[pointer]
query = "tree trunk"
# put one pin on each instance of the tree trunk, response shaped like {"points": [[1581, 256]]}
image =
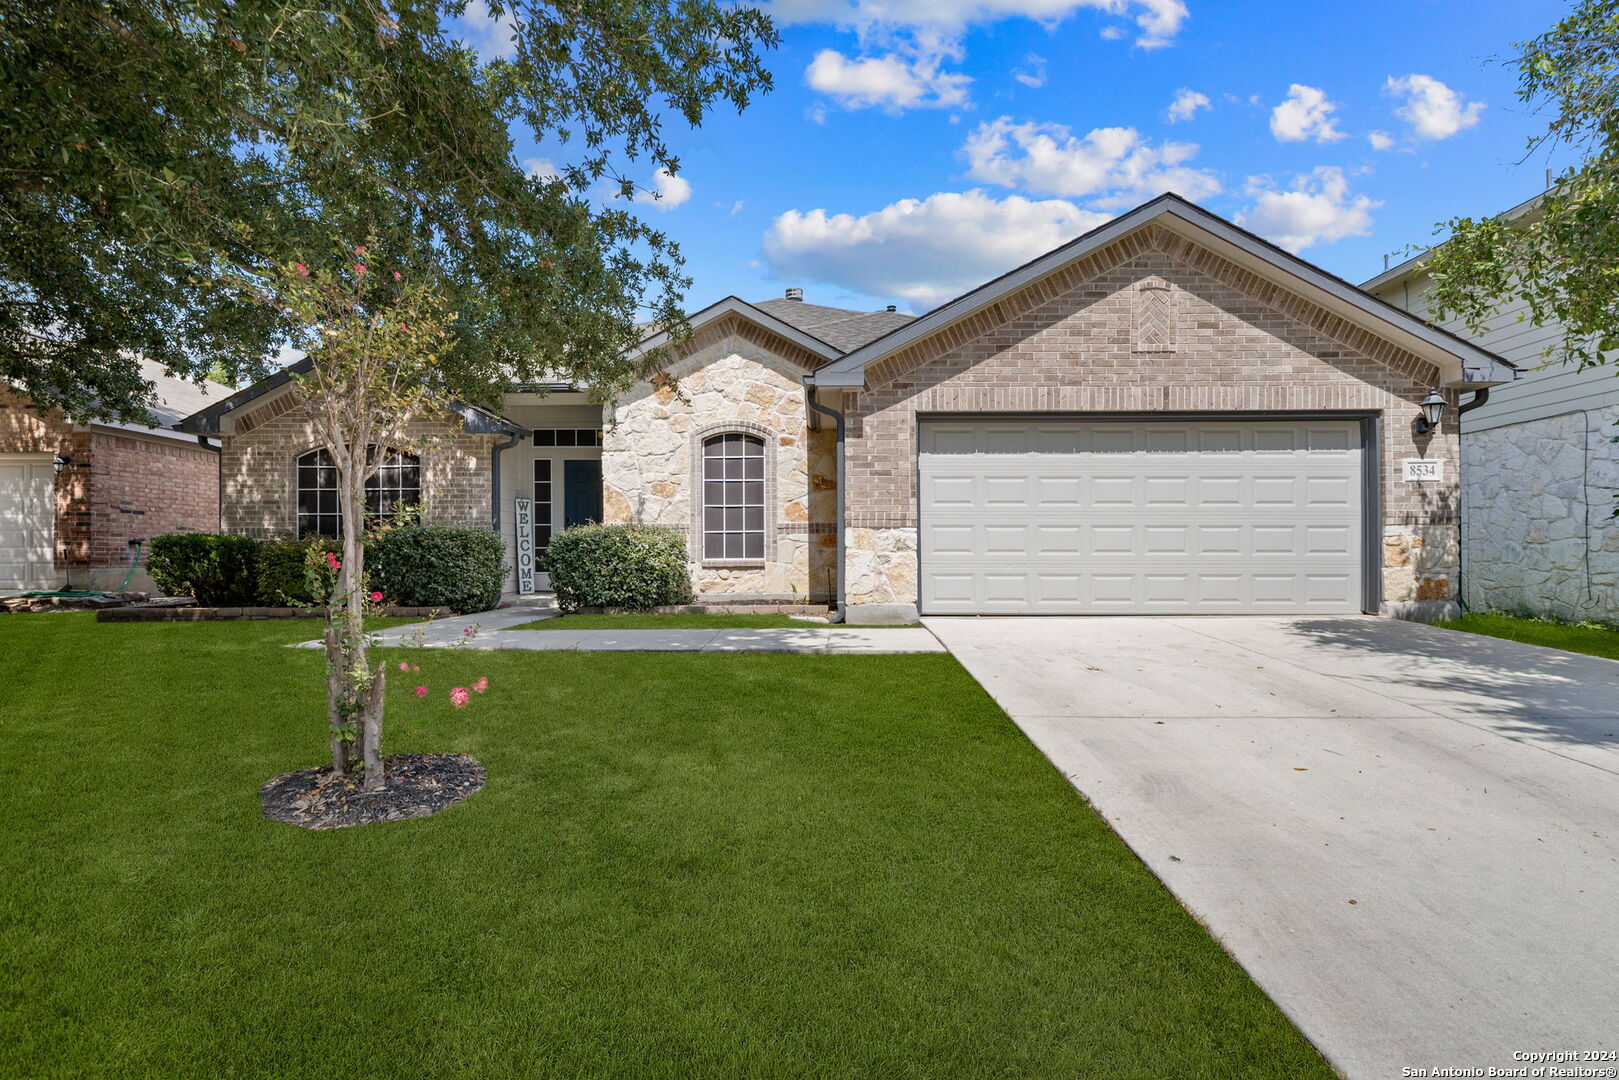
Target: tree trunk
{"points": [[342, 749], [371, 733]]}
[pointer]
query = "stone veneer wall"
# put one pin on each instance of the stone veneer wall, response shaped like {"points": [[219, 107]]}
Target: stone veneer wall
{"points": [[1072, 342], [1533, 489], [734, 376], [260, 469]]}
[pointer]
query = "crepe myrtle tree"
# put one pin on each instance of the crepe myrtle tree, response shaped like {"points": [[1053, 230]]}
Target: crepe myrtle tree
{"points": [[377, 343], [149, 146]]}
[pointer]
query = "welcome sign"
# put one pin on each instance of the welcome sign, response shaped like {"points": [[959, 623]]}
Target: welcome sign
{"points": [[524, 522]]}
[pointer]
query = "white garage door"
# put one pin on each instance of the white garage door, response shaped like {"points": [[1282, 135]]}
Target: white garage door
{"points": [[27, 515], [1093, 517]]}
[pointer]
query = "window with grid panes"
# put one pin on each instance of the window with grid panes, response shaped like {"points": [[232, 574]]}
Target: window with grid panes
{"points": [[734, 498], [397, 484], [542, 505]]}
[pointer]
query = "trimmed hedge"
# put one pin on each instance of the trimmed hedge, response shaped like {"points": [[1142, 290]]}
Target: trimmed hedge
{"points": [[442, 566], [618, 566], [220, 571], [283, 576]]}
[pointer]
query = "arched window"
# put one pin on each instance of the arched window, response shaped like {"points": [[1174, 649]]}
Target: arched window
{"points": [[734, 497], [397, 484]]}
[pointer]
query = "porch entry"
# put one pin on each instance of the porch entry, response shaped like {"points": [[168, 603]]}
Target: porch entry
{"points": [[581, 492]]}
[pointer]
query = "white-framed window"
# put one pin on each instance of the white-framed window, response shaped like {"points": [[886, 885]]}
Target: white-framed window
{"points": [[543, 501], [733, 498], [397, 484]]}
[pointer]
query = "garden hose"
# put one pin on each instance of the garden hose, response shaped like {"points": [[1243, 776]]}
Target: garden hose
{"points": [[134, 564]]}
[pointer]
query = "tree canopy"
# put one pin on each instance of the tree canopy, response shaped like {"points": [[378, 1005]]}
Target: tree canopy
{"points": [[152, 152], [1561, 256]]}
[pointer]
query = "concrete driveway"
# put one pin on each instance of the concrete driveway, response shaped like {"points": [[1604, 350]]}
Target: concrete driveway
{"points": [[1408, 836]]}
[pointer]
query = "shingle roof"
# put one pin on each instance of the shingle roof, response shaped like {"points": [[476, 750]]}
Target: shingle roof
{"points": [[839, 327]]}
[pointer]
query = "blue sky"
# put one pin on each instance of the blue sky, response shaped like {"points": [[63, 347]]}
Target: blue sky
{"points": [[913, 148]]}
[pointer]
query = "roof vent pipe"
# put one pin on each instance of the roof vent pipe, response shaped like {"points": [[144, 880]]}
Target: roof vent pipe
{"points": [[893, 307], [796, 294]]}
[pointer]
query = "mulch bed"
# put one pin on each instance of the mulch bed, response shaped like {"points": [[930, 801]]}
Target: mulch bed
{"points": [[418, 785]]}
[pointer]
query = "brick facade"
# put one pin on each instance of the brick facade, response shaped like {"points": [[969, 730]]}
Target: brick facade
{"points": [[260, 470], [1216, 338], [118, 486]]}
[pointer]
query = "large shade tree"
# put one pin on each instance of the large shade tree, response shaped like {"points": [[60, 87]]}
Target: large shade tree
{"points": [[148, 147], [1559, 257], [185, 179]]}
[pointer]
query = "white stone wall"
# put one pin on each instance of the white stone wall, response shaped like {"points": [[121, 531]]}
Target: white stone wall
{"points": [[881, 566], [650, 450], [1528, 489]]}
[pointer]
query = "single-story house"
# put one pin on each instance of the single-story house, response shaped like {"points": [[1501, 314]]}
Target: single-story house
{"points": [[1165, 415], [1540, 469], [76, 497]]}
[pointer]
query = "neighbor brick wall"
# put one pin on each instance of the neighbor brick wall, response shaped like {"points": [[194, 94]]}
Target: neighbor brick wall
{"points": [[1070, 343], [146, 487], [115, 487], [260, 470]]}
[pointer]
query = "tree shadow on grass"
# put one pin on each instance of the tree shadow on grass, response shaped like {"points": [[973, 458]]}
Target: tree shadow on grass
{"points": [[1519, 690]]}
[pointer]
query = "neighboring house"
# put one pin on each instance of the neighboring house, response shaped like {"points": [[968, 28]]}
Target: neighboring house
{"points": [[1540, 468], [74, 496], [1165, 415]]}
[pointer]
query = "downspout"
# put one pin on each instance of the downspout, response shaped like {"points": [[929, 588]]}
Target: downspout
{"points": [[219, 478], [1479, 397], [837, 418], [494, 478]]}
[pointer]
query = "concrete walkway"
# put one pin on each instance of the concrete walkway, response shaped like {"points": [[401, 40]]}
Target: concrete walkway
{"points": [[1409, 836], [493, 630]]}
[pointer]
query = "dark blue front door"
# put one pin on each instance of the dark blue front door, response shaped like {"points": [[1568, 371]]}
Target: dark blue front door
{"points": [[581, 492]]}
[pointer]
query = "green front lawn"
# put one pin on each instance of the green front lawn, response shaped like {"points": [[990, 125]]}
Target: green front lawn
{"points": [[683, 866], [1593, 639]]}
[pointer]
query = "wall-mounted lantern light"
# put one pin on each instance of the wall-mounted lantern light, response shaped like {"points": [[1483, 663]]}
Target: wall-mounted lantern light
{"points": [[1433, 411], [59, 462]]}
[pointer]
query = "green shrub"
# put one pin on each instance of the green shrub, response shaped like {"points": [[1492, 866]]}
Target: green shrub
{"points": [[282, 574], [618, 566], [462, 569], [218, 571]]}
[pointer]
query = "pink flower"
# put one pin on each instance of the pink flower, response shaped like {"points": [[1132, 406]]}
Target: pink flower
{"points": [[333, 561], [359, 268], [359, 249], [403, 666], [421, 691], [376, 598], [413, 667], [303, 271], [398, 276], [481, 685], [459, 697], [467, 631]]}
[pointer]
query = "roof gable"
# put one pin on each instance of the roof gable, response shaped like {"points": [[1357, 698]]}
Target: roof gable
{"points": [[1460, 362]]}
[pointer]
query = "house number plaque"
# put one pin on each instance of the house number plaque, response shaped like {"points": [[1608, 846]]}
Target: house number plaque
{"points": [[1419, 469]]}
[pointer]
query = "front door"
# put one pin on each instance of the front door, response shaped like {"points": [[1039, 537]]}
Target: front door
{"points": [[581, 492]]}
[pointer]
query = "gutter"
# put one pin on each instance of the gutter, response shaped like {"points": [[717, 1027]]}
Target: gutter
{"points": [[837, 418]]}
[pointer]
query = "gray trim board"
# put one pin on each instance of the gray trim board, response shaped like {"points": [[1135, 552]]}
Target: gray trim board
{"points": [[733, 305], [1441, 344]]}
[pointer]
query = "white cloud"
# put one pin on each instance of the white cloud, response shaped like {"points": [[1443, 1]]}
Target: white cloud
{"points": [[1185, 105], [1033, 71], [1306, 114], [890, 81], [922, 250], [538, 168], [1116, 165], [905, 44], [489, 37], [1318, 208], [1433, 110], [1380, 140], [668, 191]]}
